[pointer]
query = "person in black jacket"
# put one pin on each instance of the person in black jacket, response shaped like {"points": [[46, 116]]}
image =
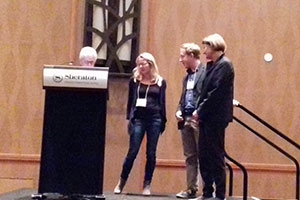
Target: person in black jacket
{"points": [[191, 90], [146, 113], [214, 112]]}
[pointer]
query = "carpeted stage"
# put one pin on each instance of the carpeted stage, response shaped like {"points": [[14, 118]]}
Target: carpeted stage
{"points": [[25, 194]]}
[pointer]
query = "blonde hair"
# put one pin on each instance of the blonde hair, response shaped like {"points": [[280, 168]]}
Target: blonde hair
{"points": [[191, 48], [216, 42], [149, 58]]}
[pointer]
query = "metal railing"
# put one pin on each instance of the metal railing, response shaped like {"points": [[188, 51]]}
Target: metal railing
{"points": [[283, 136], [245, 178]]}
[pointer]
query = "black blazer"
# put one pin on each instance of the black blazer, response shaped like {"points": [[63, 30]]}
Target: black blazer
{"points": [[200, 74], [215, 104]]}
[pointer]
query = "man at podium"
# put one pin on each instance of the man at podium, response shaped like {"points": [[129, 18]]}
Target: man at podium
{"points": [[73, 142], [87, 56]]}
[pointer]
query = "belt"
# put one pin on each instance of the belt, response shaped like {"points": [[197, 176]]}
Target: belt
{"points": [[188, 112]]}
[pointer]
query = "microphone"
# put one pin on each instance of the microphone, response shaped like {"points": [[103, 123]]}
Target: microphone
{"points": [[68, 63]]}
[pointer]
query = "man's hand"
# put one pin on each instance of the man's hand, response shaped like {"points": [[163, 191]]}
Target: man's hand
{"points": [[178, 116], [195, 116]]}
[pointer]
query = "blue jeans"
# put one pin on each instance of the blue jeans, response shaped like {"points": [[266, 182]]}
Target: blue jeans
{"points": [[137, 130]]}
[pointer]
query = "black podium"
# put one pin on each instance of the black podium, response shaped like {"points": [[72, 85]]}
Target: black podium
{"points": [[73, 145]]}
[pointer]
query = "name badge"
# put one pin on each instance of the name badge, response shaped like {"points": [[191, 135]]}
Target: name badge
{"points": [[141, 102], [190, 85]]}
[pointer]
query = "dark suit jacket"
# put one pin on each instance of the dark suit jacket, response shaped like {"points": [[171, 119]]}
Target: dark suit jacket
{"points": [[200, 74], [215, 103]]}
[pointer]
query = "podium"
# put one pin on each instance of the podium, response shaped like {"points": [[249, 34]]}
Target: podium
{"points": [[73, 144]]}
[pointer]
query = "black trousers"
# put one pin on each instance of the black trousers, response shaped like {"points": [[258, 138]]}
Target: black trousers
{"points": [[211, 159]]}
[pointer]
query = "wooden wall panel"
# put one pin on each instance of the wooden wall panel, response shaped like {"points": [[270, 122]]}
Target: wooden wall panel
{"points": [[32, 33], [251, 29], [18, 171]]}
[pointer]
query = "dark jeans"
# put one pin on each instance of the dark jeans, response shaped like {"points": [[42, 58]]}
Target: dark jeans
{"points": [[137, 129], [211, 159]]}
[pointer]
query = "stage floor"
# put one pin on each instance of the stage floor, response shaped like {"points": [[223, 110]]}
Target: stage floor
{"points": [[25, 194]]}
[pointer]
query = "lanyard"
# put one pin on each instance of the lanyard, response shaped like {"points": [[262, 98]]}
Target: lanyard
{"points": [[138, 91]]}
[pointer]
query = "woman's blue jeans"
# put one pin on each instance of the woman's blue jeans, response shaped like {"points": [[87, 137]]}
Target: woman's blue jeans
{"points": [[137, 129]]}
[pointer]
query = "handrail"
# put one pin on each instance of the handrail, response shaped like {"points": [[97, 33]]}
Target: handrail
{"points": [[277, 148], [230, 192], [245, 181], [237, 104]]}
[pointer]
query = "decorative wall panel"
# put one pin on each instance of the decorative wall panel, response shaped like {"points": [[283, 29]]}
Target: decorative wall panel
{"points": [[112, 28]]}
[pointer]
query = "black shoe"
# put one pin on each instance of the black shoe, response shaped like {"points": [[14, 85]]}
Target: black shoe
{"points": [[187, 194]]}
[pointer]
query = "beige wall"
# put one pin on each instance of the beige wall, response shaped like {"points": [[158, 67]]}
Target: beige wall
{"points": [[33, 33]]}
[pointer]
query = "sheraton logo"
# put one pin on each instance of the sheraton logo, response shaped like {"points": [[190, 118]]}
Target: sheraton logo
{"points": [[75, 77], [80, 78], [59, 78]]}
